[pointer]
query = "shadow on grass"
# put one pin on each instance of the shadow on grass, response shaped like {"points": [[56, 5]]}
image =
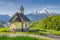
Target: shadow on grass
{"points": [[33, 30], [37, 31]]}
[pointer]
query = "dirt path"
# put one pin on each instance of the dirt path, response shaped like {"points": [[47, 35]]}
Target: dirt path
{"points": [[32, 35], [52, 36]]}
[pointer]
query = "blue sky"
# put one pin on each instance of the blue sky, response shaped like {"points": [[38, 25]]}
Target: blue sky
{"points": [[12, 6]]}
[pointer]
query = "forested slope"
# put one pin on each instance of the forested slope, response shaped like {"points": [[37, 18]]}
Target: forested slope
{"points": [[52, 23]]}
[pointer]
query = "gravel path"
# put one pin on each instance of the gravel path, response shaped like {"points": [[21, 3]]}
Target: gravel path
{"points": [[32, 35]]}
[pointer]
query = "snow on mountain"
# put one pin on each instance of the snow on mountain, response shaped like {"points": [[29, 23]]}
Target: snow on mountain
{"points": [[36, 16], [45, 10]]}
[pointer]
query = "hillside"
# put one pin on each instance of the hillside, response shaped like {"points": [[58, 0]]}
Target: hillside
{"points": [[4, 18], [51, 23], [39, 15]]}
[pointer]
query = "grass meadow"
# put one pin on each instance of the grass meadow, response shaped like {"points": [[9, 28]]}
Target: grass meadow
{"points": [[20, 38]]}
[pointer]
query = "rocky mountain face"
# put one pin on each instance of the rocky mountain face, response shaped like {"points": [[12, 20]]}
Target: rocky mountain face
{"points": [[36, 16]]}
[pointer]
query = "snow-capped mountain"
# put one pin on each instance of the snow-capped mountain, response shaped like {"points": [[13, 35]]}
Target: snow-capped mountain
{"points": [[36, 16], [45, 10]]}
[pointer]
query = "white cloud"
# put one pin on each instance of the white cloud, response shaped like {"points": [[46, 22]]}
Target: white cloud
{"points": [[50, 6], [11, 7], [53, 8], [8, 7]]}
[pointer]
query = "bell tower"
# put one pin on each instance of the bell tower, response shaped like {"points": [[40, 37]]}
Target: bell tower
{"points": [[22, 10]]}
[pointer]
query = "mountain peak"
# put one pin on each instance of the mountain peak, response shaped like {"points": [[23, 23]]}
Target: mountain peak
{"points": [[45, 10]]}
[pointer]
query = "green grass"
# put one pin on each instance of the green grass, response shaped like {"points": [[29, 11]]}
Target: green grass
{"points": [[32, 31], [20, 38], [4, 29], [53, 32], [43, 32]]}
